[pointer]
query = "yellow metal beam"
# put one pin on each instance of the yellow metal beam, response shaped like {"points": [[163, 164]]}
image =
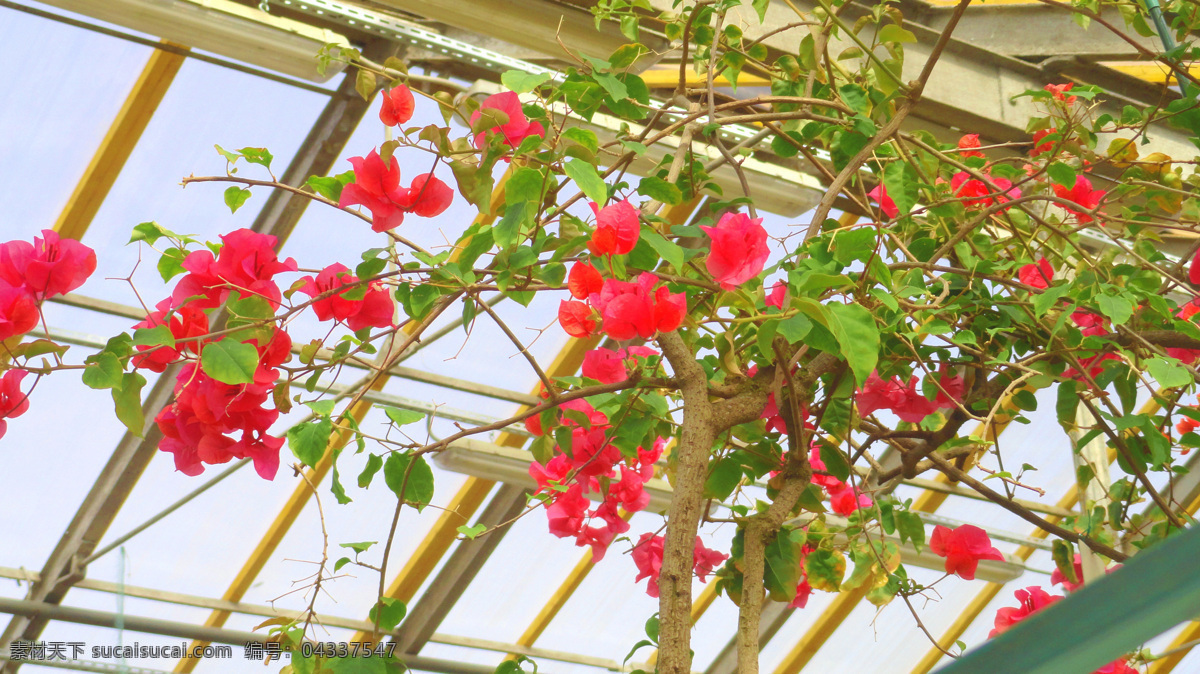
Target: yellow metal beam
{"points": [[118, 143], [668, 78]]}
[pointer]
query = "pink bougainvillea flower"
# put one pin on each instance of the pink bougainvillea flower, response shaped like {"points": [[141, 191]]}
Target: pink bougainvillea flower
{"points": [[647, 556], [1186, 425], [49, 267], [374, 310], [374, 184], [1118, 666], [963, 547], [967, 146], [584, 280], [13, 401], [803, 592], [1029, 600], [880, 195], [777, 295], [186, 323], [607, 366], [576, 319], [18, 311], [705, 560], [1194, 270], [604, 365], [1041, 146], [1059, 92], [902, 399], [1037, 275], [976, 194], [739, 249], [247, 263], [1057, 577], [398, 105], [516, 129], [1081, 194], [848, 499], [617, 229], [1089, 323], [427, 196], [638, 309], [567, 513]]}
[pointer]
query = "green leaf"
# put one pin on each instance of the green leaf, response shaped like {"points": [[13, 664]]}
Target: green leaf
{"points": [[668, 250], [1064, 559], [723, 477], [853, 244], [229, 362], [660, 190], [170, 264], [900, 181], [587, 179], [523, 82], [835, 461], [389, 611], [374, 463], [471, 532], [236, 196], [781, 573], [825, 569], [760, 7], [858, 337], [104, 371], [149, 232], [330, 188], [894, 33], [364, 84], [308, 441], [1048, 298], [157, 336], [358, 548], [1169, 374], [1061, 174], [257, 155], [128, 401], [795, 328], [583, 138], [419, 487], [1067, 403], [526, 184], [1116, 308], [856, 98], [402, 417], [506, 231], [910, 527]]}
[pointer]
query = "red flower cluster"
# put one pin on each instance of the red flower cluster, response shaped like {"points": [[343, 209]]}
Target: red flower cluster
{"points": [[247, 263], [777, 295], [591, 468], [1081, 194], [976, 193], [1029, 600], [739, 249], [880, 195], [13, 402], [904, 400], [30, 273], [398, 106], [1037, 275], [374, 310], [1059, 92], [197, 425], [843, 498], [648, 555], [626, 310], [377, 186], [516, 129], [617, 229], [963, 547], [608, 367], [1042, 146], [186, 323], [967, 145]]}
